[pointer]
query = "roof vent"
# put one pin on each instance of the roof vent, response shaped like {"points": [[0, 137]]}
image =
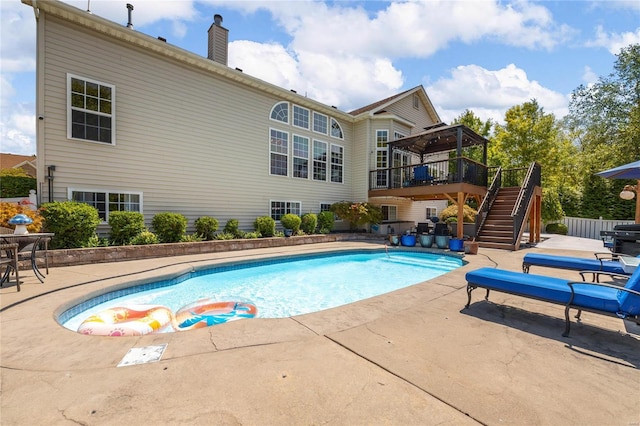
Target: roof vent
{"points": [[130, 9], [162, 39]]}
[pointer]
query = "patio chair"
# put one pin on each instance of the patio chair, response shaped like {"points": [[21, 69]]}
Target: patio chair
{"points": [[9, 257], [601, 298], [607, 262], [421, 174]]}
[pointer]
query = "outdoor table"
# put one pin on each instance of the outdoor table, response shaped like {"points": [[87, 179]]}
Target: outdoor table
{"points": [[34, 240]]}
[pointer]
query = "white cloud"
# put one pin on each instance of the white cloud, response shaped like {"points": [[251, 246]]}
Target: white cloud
{"points": [[489, 94], [17, 37], [589, 77], [144, 12], [613, 42]]}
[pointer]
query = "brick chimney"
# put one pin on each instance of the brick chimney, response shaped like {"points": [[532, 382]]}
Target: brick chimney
{"points": [[218, 41]]}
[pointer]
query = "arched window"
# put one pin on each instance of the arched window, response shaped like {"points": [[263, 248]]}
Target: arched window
{"points": [[280, 112], [336, 130]]}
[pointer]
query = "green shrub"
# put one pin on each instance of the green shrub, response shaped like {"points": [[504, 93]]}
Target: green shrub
{"points": [[291, 221], [469, 214], [16, 183], [191, 238], [125, 226], [265, 225], [326, 220], [206, 226], [224, 236], [143, 238], [309, 222], [232, 227], [169, 227], [557, 228], [251, 235], [73, 223]]}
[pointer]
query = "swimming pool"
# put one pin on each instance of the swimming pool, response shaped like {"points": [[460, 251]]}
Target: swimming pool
{"points": [[280, 287]]}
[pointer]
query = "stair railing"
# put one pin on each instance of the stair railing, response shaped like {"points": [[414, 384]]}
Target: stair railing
{"points": [[532, 179], [492, 193]]}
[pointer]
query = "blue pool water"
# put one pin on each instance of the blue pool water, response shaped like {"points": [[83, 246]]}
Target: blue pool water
{"points": [[282, 288]]}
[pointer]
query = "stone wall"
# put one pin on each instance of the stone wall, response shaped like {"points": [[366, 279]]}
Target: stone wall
{"points": [[83, 256]]}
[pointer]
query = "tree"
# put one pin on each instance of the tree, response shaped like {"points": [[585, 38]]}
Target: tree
{"points": [[482, 128], [604, 121], [357, 213]]}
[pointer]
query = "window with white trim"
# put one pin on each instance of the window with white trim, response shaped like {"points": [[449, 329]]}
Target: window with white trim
{"points": [[336, 130], [91, 110], [279, 152], [431, 212], [382, 157], [389, 212], [319, 160], [325, 207], [105, 201], [300, 157], [416, 101], [320, 123], [280, 112], [280, 208], [300, 117], [337, 159]]}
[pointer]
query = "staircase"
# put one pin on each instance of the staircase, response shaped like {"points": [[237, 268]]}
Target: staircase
{"points": [[497, 231]]}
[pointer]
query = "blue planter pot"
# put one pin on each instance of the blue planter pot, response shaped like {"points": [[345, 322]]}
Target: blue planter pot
{"points": [[426, 240], [456, 244], [442, 241], [408, 240]]}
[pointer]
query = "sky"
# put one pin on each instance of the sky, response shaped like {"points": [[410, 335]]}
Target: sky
{"points": [[483, 55]]}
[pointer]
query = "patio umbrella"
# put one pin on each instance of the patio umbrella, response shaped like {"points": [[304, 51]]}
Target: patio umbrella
{"points": [[626, 171]]}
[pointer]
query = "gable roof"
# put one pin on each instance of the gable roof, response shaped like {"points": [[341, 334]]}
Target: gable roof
{"points": [[9, 161], [379, 106]]}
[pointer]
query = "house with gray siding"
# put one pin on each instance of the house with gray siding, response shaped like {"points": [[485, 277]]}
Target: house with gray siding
{"points": [[127, 121]]}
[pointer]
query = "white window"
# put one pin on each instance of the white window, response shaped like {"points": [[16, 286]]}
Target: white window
{"points": [[91, 110], [325, 207], [336, 130], [337, 160], [431, 212], [108, 201], [280, 112], [280, 208], [382, 157], [320, 123], [300, 157], [279, 150], [300, 117], [416, 101], [389, 212], [319, 160], [397, 135]]}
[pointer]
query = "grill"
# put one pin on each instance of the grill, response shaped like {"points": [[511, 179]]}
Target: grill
{"points": [[626, 239]]}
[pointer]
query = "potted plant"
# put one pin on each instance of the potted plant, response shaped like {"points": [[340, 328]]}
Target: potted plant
{"points": [[291, 223]]}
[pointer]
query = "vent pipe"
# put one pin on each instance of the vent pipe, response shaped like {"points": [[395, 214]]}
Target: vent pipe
{"points": [[130, 9]]}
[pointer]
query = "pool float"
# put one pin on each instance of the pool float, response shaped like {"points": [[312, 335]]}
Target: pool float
{"points": [[206, 312], [128, 321]]}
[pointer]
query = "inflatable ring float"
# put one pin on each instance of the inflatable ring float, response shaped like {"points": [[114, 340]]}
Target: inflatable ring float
{"points": [[206, 312], [130, 321]]}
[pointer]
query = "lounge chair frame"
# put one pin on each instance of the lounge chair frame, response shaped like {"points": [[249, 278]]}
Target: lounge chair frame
{"points": [[569, 305]]}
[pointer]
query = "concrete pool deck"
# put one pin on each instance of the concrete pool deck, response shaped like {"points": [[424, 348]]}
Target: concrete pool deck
{"points": [[413, 356]]}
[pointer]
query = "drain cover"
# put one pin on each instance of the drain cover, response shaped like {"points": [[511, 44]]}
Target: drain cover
{"points": [[143, 355]]}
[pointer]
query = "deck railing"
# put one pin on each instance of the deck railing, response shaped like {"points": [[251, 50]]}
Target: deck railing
{"points": [[453, 170]]}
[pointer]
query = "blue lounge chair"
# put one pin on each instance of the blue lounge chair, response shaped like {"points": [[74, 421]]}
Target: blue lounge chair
{"points": [[607, 262], [602, 298], [421, 174]]}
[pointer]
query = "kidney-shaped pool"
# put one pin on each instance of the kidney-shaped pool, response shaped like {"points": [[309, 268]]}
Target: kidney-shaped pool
{"points": [[268, 288]]}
